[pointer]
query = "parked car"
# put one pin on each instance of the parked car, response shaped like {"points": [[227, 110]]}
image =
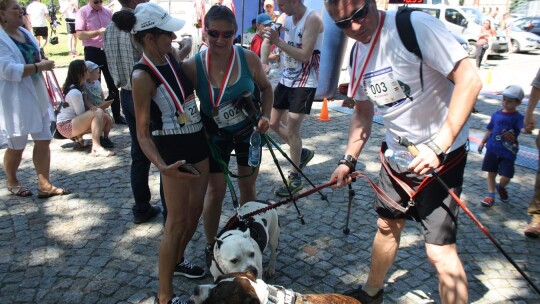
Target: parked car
{"points": [[523, 41], [460, 23], [529, 24]]}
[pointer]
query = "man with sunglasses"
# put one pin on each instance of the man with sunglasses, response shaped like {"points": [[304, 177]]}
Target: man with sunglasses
{"points": [[293, 96], [90, 24], [426, 100]]}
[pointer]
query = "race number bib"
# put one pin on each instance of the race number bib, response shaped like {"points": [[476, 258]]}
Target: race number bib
{"points": [[190, 108], [382, 88], [228, 115], [290, 63]]}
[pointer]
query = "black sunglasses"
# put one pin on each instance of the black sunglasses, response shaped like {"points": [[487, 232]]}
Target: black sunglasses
{"points": [[98, 1], [216, 34], [357, 16], [162, 32]]}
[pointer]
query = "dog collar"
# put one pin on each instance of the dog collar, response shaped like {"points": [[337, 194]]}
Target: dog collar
{"points": [[280, 295]]}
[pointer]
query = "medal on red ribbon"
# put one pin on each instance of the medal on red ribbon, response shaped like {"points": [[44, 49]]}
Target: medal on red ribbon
{"points": [[182, 116], [217, 100], [356, 81]]}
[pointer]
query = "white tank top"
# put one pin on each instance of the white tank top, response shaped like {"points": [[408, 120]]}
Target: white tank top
{"points": [[297, 74]]}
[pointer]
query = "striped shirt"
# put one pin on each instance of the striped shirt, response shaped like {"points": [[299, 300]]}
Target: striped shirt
{"points": [[122, 53]]}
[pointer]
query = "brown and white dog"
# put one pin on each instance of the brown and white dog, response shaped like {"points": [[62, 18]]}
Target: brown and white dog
{"points": [[241, 248], [245, 288]]}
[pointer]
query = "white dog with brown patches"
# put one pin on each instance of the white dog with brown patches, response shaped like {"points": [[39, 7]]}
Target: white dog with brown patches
{"points": [[243, 287], [241, 249]]}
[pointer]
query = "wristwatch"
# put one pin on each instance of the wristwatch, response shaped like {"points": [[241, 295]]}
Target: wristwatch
{"points": [[349, 161], [438, 151]]}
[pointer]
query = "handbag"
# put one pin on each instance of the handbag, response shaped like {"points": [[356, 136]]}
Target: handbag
{"points": [[57, 100], [482, 42], [53, 39]]}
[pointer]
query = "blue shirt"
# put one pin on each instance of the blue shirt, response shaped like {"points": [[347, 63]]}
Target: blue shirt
{"points": [[505, 127]]}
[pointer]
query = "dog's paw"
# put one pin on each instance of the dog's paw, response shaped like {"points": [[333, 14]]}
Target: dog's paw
{"points": [[269, 273]]}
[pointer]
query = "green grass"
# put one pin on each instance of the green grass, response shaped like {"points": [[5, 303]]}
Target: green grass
{"points": [[60, 52]]}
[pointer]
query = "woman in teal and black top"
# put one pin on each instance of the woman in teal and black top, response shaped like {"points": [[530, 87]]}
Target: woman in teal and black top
{"points": [[221, 75]]}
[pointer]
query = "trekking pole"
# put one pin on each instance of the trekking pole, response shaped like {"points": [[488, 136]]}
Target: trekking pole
{"points": [[270, 140], [414, 151], [346, 230], [294, 199]]}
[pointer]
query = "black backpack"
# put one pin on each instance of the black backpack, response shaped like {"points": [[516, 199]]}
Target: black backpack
{"points": [[407, 36]]}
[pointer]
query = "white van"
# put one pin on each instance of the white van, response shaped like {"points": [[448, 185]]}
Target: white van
{"points": [[460, 23]]}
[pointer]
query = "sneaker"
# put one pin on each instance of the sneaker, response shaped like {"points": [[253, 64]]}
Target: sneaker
{"points": [[503, 194], [187, 269], [106, 142], [363, 297], [208, 255], [488, 201], [533, 230], [305, 157], [148, 215], [293, 185]]}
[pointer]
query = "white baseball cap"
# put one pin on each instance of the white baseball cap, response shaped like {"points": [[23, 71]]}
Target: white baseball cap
{"points": [[514, 92], [150, 15]]}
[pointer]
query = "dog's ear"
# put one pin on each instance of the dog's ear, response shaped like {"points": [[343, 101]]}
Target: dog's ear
{"points": [[219, 243], [247, 234]]}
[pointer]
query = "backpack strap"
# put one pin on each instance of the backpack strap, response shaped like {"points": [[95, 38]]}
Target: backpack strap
{"points": [[408, 36]]}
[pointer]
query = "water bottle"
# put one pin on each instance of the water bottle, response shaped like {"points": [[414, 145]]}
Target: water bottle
{"points": [[255, 147], [400, 158]]}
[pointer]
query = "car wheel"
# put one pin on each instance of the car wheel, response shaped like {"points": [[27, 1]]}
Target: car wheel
{"points": [[472, 49], [515, 46]]}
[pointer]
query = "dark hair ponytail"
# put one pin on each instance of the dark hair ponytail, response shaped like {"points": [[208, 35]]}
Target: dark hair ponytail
{"points": [[124, 20]]}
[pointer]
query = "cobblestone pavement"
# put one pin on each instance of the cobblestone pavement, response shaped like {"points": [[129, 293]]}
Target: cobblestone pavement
{"points": [[84, 247]]}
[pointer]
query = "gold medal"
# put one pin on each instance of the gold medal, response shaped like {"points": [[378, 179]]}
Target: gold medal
{"points": [[181, 119], [215, 111], [186, 117]]}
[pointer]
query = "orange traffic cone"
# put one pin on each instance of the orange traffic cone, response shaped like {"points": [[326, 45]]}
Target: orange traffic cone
{"points": [[324, 111]]}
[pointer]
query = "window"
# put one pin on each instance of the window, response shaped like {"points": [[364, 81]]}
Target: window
{"points": [[455, 17]]}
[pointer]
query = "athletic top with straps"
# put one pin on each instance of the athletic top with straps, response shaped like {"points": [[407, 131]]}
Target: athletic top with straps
{"points": [[163, 113], [233, 119], [297, 74]]}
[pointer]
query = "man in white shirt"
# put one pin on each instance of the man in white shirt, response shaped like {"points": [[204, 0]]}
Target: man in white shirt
{"points": [[430, 107], [39, 16]]}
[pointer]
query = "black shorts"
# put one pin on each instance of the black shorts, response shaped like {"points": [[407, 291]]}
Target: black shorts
{"points": [[189, 147], [224, 147], [434, 208], [493, 163], [41, 31], [296, 100], [70, 26]]}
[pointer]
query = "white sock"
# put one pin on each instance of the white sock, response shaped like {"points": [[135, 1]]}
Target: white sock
{"points": [[370, 290]]}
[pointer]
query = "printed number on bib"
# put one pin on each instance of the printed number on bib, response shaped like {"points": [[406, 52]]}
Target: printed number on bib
{"points": [[382, 88], [190, 108], [229, 115]]}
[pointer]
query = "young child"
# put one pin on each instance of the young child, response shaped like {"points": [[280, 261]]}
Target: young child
{"points": [[94, 97], [502, 145]]}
